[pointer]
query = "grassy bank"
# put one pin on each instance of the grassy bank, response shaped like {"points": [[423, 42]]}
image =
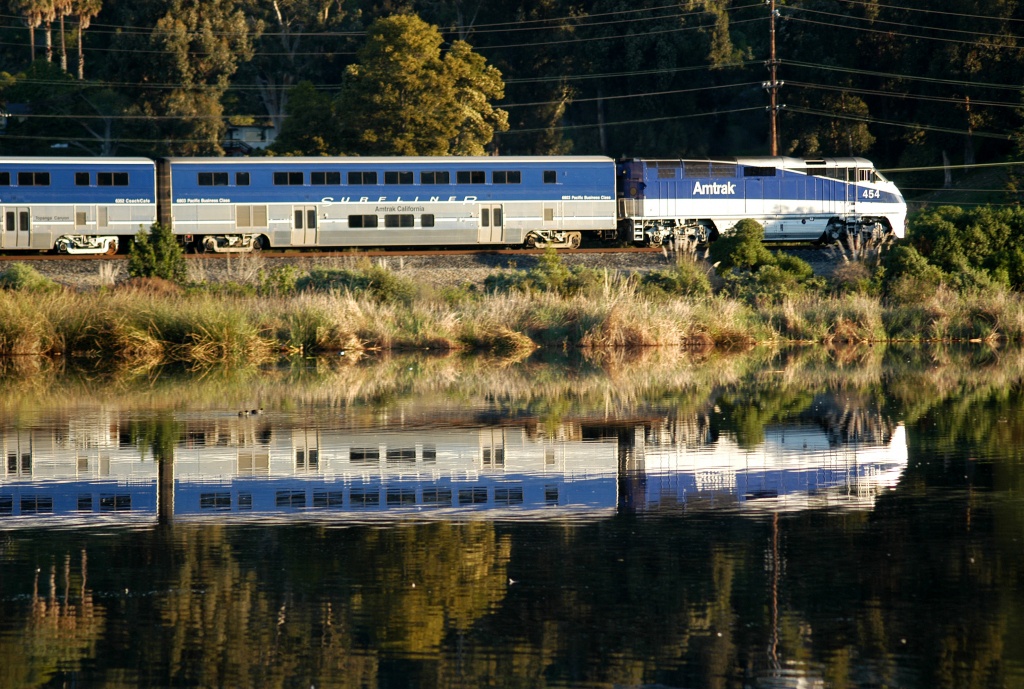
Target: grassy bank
{"points": [[198, 326]]}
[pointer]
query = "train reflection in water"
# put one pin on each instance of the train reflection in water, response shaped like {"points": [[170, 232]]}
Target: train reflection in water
{"points": [[92, 470]]}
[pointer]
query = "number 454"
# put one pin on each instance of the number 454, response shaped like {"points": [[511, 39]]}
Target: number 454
{"points": [[871, 194]]}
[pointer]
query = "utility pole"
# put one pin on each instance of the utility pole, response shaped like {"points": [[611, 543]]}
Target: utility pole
{"points": [[773, 84]]}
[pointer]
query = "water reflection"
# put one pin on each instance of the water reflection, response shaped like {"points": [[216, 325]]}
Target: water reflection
{"points": [[91, 468], [769, 521]]}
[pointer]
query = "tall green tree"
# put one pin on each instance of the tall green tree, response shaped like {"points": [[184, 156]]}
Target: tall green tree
{"points": [[84, 10], [200, 44], [404, 97], [299, 43]]}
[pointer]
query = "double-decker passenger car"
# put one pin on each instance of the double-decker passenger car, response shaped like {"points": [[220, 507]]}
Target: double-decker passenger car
{"points": [[225, 204], [794, 199], [75, 205]]}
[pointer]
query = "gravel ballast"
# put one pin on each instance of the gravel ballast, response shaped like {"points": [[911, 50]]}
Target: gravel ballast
{"points": [[436, 270]]}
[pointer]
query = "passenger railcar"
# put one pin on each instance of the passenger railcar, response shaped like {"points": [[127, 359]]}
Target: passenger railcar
{"points": [[75, 205], [226, 204], [795, 199]]}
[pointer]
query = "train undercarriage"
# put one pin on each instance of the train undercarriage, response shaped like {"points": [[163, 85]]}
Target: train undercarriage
{"points": [[663, 231], [73, 244]]}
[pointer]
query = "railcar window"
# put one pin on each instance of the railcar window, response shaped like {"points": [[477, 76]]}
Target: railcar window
{"points": [[120, 179], [81, 179], [399, 497], [241, 179], [696, 168], [471, 177], [472, 496], [290, 498], [329, 177], [5, 179], [330, 498], [550, 177], [33, 179], [403, 220], [866, 176], [666, 173], [206, 179], [364, 454], [506, 177], [362, 221], [393, 177], [288, 179], [435, 177], [758, 172], [430, 454], [362, 178], [118, 502], [217, 502], [427, 220], [364, 497], [437, 496], [508, 496]]}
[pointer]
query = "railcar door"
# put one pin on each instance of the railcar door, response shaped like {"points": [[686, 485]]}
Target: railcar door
{"points": [[303, 225], [492, 225], [17, 229]]}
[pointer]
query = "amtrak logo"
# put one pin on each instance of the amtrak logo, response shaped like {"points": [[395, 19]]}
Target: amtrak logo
{"points": [[714, 188]]}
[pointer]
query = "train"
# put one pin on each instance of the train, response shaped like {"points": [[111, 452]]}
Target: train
{"points": [[95, 205], [89, 470]]}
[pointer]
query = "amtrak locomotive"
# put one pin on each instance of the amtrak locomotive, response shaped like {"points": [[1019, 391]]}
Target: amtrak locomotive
{"points": [[93, 205]]}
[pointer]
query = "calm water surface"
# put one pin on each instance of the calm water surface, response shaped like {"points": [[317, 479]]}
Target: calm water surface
{"points": [[805, 519]]}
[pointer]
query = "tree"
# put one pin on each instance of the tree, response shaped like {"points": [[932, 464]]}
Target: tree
{"points": [[311, 126], [203, 42], [292, 49], [85, 10], [157, 254], [404, 98]]}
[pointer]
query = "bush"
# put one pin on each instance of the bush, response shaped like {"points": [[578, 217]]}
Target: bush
{"points": [[21, 277], [742, 249], [983, 239], [754, 273], [550, 275], [688, 278], [379, 283], [157, 254], [908, 277]]}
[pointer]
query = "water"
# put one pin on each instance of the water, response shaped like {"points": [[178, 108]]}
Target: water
{"points": [[803, 519]]}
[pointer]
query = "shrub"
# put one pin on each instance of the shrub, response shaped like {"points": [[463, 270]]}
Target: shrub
{"points": [[377, 282], [908, 277], [280, 281], [742, 249], [687, 278], [754, 273], [21, 277], [983, 239], [549, 275], [157, 254]]}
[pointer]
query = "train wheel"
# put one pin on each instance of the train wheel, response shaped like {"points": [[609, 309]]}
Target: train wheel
{"points": [[573, 240], [111, 248], [259, 243], [62, 246]]}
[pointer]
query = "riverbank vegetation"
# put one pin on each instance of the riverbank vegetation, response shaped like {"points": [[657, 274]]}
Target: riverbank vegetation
{"points": [[943, 284]]}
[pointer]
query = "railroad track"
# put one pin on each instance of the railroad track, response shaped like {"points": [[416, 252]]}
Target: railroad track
{"points": [[357, 253]]}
